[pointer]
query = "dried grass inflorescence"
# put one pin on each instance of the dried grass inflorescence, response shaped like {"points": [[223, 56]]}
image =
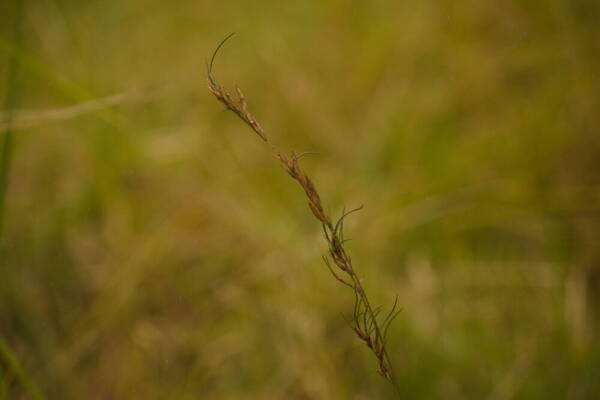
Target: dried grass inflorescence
{"points": [[365, 322]]}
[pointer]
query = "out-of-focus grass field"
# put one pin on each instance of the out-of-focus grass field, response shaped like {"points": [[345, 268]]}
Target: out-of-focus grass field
{"points": [[153, 249]]}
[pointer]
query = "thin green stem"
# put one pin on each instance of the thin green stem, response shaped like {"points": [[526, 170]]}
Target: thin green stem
{"points": [[10, 103], [14, 366]]}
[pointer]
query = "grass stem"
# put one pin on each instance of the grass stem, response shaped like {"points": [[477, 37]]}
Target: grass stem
{"points": [[10, 103]]}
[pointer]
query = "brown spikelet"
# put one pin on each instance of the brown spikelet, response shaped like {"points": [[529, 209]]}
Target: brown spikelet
{"points": [[370, 329]]}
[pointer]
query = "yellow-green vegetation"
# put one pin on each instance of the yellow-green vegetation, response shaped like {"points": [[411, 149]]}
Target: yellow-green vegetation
{"points": [[150, 248]]}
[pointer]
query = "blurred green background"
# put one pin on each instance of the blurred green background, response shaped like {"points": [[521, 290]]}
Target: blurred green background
{"points": [[151, 248]]}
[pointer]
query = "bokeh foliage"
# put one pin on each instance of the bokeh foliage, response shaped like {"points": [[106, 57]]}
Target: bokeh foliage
{"points": [[153, 249]]}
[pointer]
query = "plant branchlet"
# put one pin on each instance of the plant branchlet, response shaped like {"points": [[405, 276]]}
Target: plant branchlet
{"points": [[365, 321]]}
